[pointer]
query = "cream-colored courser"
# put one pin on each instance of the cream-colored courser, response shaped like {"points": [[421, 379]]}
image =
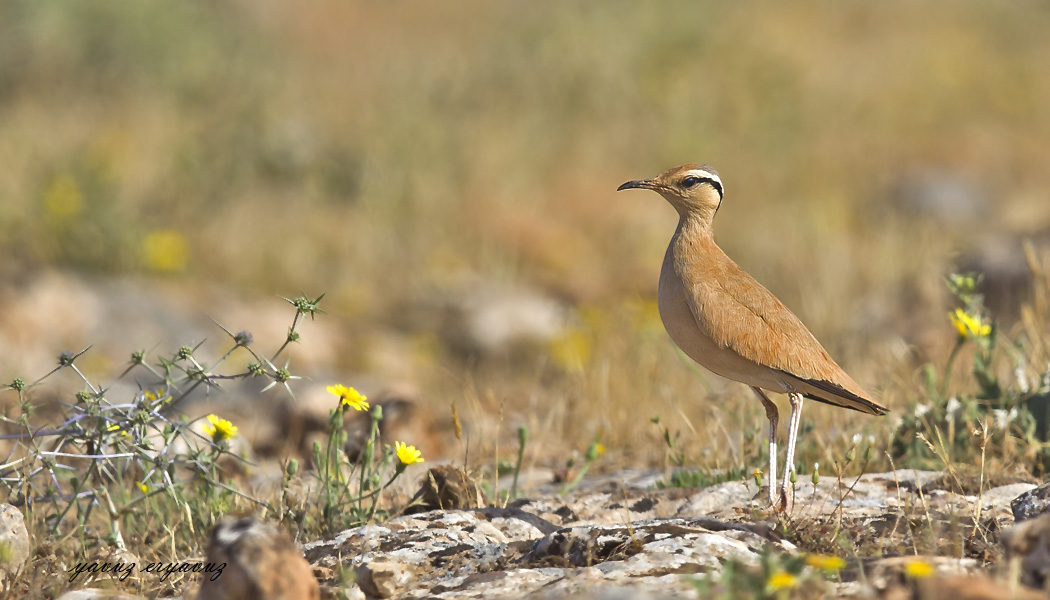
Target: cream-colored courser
{"points": [[726, 321]]}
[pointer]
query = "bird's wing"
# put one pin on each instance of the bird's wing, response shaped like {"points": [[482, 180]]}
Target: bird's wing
{"points": [[739, 314]]}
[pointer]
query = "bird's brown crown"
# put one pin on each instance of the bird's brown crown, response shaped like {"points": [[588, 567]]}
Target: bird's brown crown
{"points": [[693, 189]]}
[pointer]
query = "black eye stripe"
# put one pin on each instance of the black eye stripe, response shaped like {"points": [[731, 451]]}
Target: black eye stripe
{"points": [[714, 182]]}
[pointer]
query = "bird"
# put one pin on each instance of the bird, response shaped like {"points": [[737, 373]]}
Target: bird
{"points": [[726, 321]]}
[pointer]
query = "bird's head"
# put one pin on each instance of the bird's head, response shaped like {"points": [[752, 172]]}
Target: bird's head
{"points": [[694, 190]]}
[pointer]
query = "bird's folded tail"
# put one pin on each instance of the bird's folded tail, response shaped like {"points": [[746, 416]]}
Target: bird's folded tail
{"points": [[836, 395]]}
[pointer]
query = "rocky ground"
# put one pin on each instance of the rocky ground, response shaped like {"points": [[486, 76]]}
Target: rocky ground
{"points": [[624, 539], [619, 537]]}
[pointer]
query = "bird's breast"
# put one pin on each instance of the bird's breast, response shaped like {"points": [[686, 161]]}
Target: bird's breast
{"points": [[686, 330], [678, 318]]}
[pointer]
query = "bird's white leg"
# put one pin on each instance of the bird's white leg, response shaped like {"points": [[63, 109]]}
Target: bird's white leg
{"points": [[774, 420], [787, 495]]}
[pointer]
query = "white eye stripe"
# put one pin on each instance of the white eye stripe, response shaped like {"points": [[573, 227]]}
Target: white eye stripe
{"points": [[707, 176], [702, 174]]}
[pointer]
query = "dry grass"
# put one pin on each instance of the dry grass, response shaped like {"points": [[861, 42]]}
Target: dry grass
{"points": [[387, 154]]}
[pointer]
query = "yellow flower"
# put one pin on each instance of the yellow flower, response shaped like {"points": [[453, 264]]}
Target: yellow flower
{"points": [[63, 199], [969, 326], [165, 251], [781, 580], [348, 397], [595, 451], [117, 429], [918, 569], [571, 351], [408, 455], [219, 429], [825, 562], [154, 397], [142, 487]]}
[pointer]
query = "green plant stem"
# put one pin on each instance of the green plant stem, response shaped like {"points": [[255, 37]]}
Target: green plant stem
{"points": [[375, 503], [576, 480], [522, 437], [948, 368], [330, 451], [368, 454]]}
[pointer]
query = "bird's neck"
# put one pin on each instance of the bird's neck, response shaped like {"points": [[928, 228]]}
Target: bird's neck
{"points": [[694, 228], [693, 242]]}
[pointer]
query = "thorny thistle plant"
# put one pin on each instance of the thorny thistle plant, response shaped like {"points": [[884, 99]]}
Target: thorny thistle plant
{"points": [[109, 457]]}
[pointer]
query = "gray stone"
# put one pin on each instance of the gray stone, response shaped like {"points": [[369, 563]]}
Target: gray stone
{"points": [[15, 537], [1032, 503], [490, 320], [1004, 495], [943, 196], [384, 578]]}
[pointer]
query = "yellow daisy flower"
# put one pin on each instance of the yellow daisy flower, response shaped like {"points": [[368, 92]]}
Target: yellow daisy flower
{"points": [[595, 451], [348, 397], [918, 569], [969, 326], [165, 251], [782, 581], [825, 562], [219, 429], [408, 455]]}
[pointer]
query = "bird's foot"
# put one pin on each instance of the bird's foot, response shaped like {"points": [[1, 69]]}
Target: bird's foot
{"points": [[784, 502], [787, 499]]}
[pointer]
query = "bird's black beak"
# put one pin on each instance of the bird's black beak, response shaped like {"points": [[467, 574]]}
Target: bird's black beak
{"points": [[639, 184]]}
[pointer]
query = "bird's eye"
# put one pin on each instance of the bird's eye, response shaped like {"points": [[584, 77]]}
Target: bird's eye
{"points": [[690, 181]]}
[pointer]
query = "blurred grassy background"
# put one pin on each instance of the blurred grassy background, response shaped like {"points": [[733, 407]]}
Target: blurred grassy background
{"points": [[392, 154]]}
